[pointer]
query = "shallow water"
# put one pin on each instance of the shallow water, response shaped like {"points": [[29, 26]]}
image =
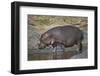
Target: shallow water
{"points": [[68, 53], [48, 54]]}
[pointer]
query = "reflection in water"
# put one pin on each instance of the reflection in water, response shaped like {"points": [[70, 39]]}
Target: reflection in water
{"points": [[47, 54], [50, 56]]}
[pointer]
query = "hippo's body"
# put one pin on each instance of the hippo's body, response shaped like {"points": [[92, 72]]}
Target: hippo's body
{"points": [[62, 35]]}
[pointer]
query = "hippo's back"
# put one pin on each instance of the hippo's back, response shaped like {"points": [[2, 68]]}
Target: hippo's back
{"points": [[66, 34]]}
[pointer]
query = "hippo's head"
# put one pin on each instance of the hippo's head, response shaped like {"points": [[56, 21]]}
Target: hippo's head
{"points": [[45, 40]]}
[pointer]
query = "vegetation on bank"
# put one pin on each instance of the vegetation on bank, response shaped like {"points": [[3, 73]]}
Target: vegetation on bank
{"points": [[39, 20]]}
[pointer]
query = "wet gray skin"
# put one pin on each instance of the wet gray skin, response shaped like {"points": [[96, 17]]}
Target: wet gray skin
{"points": [[62, 35]]}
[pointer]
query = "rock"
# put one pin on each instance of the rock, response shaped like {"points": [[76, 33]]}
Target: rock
{"points": [[33, 37]]}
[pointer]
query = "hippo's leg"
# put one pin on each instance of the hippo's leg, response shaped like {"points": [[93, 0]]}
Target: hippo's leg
{"points": [[63, 51], [60, 51], [54, 49], [79, 47], [63, 48], [54, 52]]}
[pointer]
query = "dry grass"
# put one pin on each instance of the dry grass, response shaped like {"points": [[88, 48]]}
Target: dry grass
{"points": [[55, 20]]}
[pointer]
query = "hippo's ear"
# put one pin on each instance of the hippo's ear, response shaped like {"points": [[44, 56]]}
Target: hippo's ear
{"points": [[46, 35]]}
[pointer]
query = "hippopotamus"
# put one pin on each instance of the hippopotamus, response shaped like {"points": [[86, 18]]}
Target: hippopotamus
{"points": [[64, 36]]}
